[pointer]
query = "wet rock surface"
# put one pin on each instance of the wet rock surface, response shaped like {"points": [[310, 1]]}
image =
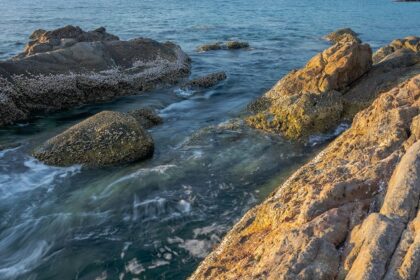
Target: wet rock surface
{"points": [[350, 213], [89, 67], [106, 138], [229, 45]]}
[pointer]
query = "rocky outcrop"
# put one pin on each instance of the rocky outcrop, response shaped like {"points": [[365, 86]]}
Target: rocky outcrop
{"points": [[96, 68], [229, 45], [310, 100], [410, 43], [44, 41], [206, 81], [106, 138], [350, 213]]}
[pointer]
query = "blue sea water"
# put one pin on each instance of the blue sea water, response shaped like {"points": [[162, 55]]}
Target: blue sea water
{"points": [[157, 219]]}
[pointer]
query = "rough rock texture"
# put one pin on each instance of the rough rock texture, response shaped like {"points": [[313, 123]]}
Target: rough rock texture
{"points": [[206, 81], [309, 100], [44, 41], [410, 43], [106, 138], [229, 45], [350, 213], [342, 34], [85, 72], [391, 71], [146, 117]]}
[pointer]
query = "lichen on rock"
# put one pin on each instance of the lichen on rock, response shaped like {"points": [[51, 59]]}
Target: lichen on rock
{"points": [[309, 100]]}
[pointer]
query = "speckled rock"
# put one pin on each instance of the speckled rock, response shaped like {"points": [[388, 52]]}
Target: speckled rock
{"points": [[206, 81], [350, 213], [44, 41], [107, 138], [309, 100], [94, 67]]}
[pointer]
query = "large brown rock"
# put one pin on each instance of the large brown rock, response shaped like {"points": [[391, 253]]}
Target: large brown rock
{"points": [[106, 138], [411, 43], [350, 213], [96, 68], [309, 100]]}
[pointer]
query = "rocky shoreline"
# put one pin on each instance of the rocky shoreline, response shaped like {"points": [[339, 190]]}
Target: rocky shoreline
{"points": [[349, 213], [81, 68], [352, 211]]}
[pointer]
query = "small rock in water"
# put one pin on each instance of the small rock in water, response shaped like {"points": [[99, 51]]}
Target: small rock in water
{"points": [[210, 47], [235, 45], [342, 34], [230, 45], [206, 81]]}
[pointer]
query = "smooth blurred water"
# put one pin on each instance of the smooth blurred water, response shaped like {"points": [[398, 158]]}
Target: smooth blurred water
{"points": [[157, 219]]}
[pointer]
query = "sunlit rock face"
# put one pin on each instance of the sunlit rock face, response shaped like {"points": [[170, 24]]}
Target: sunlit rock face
{"points": [[85, 67], [410, 43], [310, 100], [350, 213]]}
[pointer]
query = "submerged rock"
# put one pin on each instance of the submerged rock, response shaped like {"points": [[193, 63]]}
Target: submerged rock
{"points": [[210, 47], [206, 81], [350, 213], [106, 138], [235, 45], [309, 100], [85, 67], [229, 45]]}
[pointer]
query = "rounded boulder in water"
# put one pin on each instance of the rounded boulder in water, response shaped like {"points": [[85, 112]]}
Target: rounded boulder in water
{"points": [[107, 138]]}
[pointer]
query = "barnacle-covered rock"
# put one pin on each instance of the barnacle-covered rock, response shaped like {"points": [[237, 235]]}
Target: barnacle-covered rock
{"points": [[86, 67], [106, 138]]}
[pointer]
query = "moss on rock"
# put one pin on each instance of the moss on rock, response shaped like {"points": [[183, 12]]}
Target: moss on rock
{"points": [[106, 138]]}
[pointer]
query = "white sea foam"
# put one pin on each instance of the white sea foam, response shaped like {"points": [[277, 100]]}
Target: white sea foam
{"points": [[23, 260], [184, 92], [134, 267], [34, 174]]}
